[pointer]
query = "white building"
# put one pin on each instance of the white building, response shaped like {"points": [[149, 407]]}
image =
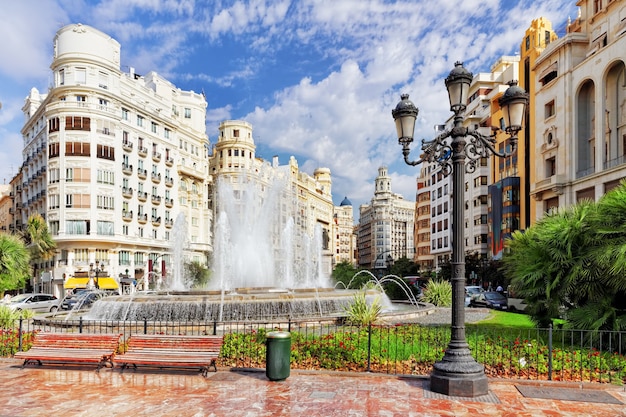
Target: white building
{"points": [[580, 109], [111, 158], [386, 226]]}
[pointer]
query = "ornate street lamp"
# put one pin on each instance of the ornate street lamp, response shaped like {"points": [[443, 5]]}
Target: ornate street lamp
{"points": [[458, 373]]}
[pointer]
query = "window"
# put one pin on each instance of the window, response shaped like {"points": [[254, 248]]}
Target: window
{"points": [[125, 114], [103, 80], [140, 120], [77, 227], [53, 125], [54, 175], [106, 152], [53, 201], [106, 177], [77, 123], [62, 77], [187, 113], [53, 150], [105, 202], [125, 230], [236, 133], [550, 167], [124, 257], [54, 228], [103, 104], [81, 255], [105, 228], [166, 133], [81, 76], [139, 258], [549, 109], [153, 127], [77, 149]]}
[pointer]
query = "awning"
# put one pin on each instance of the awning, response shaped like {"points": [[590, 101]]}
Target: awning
{"points": [[107, 283], [73, 283], [104, 283]]}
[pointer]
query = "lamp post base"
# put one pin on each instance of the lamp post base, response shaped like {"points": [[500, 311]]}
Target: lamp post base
{"points": [[459, 379]]}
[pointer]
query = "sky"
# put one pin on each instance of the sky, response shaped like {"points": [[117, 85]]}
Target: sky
{"points": [[317, 79]]}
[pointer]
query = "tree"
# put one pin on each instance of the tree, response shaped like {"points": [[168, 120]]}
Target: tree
{"points": [[404, 267], [344, 272], [38, 239], [574, 261], [14, 262], [197, 273]]}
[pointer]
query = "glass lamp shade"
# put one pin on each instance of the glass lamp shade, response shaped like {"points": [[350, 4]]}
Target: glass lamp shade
{"points": [[458, 83], [513, 103], [404, 115]]}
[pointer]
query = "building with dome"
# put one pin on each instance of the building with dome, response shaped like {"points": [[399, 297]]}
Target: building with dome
{"points": [[344, 233], [386, 227]]}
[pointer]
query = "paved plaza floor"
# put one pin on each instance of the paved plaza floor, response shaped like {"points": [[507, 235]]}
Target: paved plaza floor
{"points": [[58, 390]]}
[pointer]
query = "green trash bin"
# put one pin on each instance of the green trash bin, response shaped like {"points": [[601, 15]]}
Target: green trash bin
{"points": [[278, 355]]}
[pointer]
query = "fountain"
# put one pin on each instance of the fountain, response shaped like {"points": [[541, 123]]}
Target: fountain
{"points": [[264, 265]]}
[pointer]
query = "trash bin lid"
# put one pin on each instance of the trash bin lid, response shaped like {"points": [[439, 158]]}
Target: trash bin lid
{"points": [[278, 335]]}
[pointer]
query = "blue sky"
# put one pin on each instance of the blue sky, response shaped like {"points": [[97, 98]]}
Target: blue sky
{"points": [[316, 78]]}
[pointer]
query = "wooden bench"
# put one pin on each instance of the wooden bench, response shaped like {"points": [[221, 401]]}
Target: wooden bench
{"points": [[76, 348], [172, 351]]}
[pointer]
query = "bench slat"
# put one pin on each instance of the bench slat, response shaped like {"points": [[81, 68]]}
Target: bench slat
{"points": [[172, 351], [72, 348]]}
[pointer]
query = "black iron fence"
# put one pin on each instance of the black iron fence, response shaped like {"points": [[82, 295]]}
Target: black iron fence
{"points": [[549, 354]]}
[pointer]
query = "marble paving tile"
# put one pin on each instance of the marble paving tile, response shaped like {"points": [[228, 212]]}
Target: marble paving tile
{"points": [[79, 391]]}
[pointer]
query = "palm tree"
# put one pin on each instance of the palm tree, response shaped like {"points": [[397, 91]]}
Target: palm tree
{"points": [[14, 262], [574, 258], [40, 243], [550, 264]]}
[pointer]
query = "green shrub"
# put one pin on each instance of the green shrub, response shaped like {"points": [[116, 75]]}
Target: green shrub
{"points": [[438, 293], [9, 318], [360, 312]]}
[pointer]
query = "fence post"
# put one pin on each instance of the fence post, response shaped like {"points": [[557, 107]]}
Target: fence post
{"points": [[550, 352], [145, 326], [80, 324], [20, 335], [214, 327], [289, 325], [369, 346]]}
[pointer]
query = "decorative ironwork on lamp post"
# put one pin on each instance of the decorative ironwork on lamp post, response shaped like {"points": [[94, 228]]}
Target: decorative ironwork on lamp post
{"points": [[458, 373]]}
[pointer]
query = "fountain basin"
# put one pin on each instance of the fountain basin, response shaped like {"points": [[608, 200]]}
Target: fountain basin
{"points": [[241, 304]]}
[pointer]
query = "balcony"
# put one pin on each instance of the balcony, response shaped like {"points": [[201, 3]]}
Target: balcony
{"points": [[169, 161], [169, 202], [127, 215], [156, 199], [169, 223], [156, 178], [142, 218], [127, 192], [142, 173], [169, 181], [156, 156], [156, 221], [142, 150], [127, 169], [127, 145], [142, 195]]}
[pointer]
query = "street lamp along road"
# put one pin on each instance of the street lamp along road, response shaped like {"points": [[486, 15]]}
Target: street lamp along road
{"points": [[458, 373]]}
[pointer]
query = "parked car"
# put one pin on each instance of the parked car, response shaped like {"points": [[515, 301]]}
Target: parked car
{"points": [[35, 301], [82, 300], [489, 299], [471, 291]]}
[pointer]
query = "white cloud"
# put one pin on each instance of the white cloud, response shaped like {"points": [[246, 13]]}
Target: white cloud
{"points": [[354, 58], [27, 28]]}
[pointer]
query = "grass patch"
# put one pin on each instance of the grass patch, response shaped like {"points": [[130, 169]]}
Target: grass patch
{"points": [[505, 319]]}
